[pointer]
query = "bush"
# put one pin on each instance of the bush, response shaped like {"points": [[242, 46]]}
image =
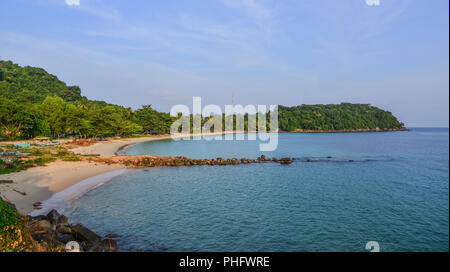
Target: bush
{"points": [[71, 157]]}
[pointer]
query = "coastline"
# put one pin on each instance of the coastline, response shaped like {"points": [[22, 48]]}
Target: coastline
{"points": [[112, 147], [41, 183]]}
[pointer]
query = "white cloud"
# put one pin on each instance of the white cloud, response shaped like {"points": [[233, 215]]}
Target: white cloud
{"points": [[73, 2], [253, 7], [373, 2]]}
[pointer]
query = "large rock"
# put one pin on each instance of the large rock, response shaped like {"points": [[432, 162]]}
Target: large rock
{"points": [[65, 238], [48, 240], [40, 226], [63, 221], [64, 229], [81, 233], [53, 216], [285, 161]]}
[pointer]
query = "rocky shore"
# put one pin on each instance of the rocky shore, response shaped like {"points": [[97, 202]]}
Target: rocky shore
{"points": [[53, 233], [348, 130]]}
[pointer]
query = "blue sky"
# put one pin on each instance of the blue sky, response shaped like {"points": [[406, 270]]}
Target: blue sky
{"points": [[393, 55]]}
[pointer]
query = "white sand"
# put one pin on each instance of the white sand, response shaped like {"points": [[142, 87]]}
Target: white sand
{"points": [[41, 183], [109, 148]]}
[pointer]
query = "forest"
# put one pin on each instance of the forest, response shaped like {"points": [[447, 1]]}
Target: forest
{"points": [[35, 103]]}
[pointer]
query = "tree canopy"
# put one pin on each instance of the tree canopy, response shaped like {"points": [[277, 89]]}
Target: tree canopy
{"points": [[344, 116]]}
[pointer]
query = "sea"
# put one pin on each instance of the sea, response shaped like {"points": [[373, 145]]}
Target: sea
{"points": [[343, 192]]}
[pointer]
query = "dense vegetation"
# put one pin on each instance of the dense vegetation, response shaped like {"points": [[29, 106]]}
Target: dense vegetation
{"points": [[35, 103], [345, 116]]}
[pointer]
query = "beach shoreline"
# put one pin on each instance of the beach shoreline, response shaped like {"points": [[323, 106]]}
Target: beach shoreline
{"points": [[40, 184]]}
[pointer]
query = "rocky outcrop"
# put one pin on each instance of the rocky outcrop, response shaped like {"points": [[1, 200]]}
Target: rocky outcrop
{"points": [[286, 161], [377, 129], [53, 231], [156, 161], [83, 234]]}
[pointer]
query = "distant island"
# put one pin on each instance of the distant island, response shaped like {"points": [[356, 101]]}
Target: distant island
{"points": [[35, 103]]}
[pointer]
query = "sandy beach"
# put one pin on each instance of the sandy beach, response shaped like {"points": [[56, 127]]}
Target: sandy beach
{"points": [[40, 183], [109, 148]]}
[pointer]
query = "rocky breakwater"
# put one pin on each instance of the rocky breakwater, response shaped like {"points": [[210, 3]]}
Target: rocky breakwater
{"points": [[156, 161], [53, 233]]}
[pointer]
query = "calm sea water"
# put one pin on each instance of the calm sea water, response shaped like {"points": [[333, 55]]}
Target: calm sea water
{"points": [[396, 192]]}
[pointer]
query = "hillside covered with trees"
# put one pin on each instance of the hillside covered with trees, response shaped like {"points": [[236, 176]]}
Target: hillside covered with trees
{"points": [[36, 103], [342, 117]]}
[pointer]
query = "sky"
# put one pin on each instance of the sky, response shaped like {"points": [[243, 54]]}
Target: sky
{"points": [[393, 54]]}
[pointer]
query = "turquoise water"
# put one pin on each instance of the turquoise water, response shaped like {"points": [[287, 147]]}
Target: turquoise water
{"points": [[396, 192]]}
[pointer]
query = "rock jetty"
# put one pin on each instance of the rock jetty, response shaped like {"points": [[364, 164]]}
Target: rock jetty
{"points": [[156, 161]]}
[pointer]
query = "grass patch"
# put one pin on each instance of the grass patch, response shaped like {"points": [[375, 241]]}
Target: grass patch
{"points": [[38, 156], [9, 170], [71, 157]]}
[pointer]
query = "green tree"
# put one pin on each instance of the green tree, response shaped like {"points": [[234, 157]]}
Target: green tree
{"points": [[54, 111], [15, 119]]}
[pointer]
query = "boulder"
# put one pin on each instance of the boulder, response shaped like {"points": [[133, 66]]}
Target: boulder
{"points": [[63, 221], [53, 216], [285, 161], [65, 238], [48, 240], [40, 226], [64, 229], [81, 233]]}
